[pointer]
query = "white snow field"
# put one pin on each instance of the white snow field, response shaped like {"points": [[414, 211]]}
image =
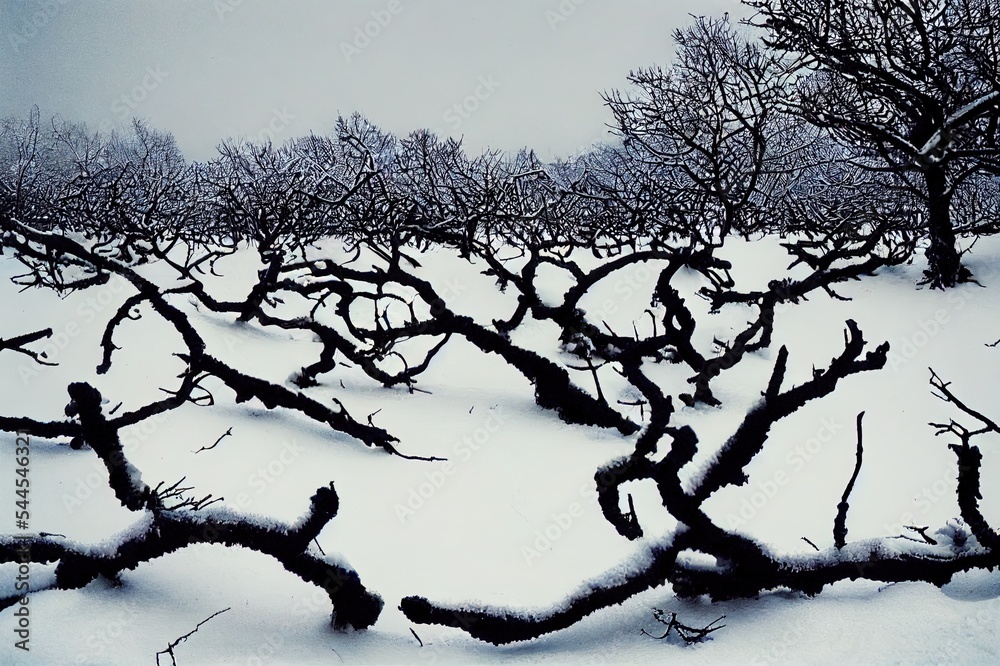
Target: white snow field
{"points": [[511, 519]]}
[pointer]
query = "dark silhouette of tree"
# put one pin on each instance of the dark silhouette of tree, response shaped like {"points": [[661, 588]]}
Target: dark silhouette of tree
{"points": [[914, 87], [709, 137]]}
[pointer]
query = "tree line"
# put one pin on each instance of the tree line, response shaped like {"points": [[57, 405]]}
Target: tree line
{"points": [[816, 117]]}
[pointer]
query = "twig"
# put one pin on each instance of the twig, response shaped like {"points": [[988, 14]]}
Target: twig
{"points": [[948, 396], [687, 634], [922, 531], [177, 641], [209, 448]]}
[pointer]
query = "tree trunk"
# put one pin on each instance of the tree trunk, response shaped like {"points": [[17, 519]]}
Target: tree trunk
{"points": [[945, 268]]}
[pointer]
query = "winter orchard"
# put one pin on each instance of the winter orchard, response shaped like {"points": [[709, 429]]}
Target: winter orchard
{"points": [[857, 132]]}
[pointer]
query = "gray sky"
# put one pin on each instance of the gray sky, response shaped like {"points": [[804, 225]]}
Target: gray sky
{"points": [[502, 74]]}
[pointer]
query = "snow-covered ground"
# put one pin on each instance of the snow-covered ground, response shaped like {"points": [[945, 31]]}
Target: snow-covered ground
{"points": [[511, 519]]}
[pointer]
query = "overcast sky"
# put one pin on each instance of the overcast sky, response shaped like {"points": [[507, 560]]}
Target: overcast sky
{"points": [[503, 74]]}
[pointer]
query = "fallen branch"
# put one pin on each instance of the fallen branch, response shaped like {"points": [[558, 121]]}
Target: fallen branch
{"points": [[840, 522]]}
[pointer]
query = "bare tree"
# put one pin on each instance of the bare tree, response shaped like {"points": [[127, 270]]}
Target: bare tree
{"points": [[914, 85], [709, 135]]}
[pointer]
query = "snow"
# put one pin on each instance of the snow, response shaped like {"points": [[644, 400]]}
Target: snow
{"points": [[974, 107], [519, 479]]}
